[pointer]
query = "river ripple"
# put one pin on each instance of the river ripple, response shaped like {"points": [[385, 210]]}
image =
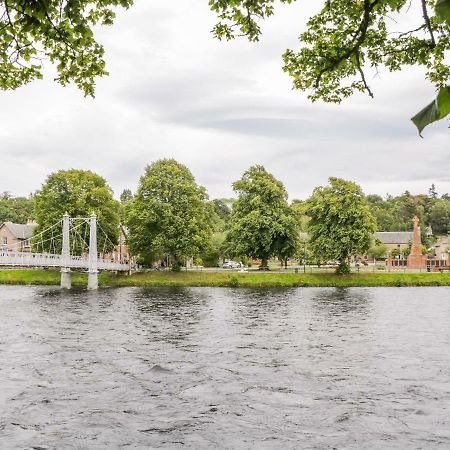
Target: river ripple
{"points": [[225, 368]]}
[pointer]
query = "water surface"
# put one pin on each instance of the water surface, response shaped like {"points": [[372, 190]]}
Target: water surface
{"points": [[225, 368]]}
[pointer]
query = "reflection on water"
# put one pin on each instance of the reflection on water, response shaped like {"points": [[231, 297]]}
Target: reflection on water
{"points": [[225, 368], [339, 302]]}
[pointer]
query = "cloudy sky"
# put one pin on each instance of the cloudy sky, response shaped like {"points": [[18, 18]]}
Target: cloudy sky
{"points": [[218, 107]]}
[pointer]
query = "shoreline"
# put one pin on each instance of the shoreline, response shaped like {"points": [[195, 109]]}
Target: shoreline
{"points": [[40, 277]]}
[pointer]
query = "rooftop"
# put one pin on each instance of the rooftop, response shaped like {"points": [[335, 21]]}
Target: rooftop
{"points": [[394, 237], [20, 231]]}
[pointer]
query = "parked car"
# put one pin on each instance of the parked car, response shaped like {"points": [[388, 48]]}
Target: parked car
{"points": [[231, 265]]}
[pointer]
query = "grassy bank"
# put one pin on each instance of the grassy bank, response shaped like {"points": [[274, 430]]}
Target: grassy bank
{"points": [[39, 277], [230, 279]]}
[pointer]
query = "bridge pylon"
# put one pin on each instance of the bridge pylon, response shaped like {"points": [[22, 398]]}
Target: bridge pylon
{"points": [[66, 277], [93, 257]]}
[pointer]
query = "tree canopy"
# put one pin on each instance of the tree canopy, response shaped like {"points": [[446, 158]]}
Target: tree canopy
{"points": [[170, 214], [125, 198], [58, 30], [15, 209], [262, 224], [341, 224], [395, 213], [79, 193], [439, 216], [346, 37]]}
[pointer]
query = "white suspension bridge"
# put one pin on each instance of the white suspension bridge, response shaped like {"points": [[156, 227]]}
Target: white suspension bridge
{"points": [[67, 260]]}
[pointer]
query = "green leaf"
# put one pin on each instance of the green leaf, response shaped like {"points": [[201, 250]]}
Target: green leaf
{"points": [[442, 9], [436, 110]]}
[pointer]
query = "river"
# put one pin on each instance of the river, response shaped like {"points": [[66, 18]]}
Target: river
{"points": [[225, 368]]}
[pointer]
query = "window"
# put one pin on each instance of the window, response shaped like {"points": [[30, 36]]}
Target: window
{"points": [[5, 240]]}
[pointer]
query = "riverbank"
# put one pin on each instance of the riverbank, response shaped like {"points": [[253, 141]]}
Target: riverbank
{"points": [[229, 279]]}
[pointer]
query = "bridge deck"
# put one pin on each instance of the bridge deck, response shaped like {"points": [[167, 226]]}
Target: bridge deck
{"points": [[23, 259]]}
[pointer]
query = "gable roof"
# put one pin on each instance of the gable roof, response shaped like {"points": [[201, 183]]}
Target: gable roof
{"points": [[394, 237], [20, 231]]}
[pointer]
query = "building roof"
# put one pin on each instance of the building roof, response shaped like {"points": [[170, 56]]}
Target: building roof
{"points": [[394, 237], [20, 231]]}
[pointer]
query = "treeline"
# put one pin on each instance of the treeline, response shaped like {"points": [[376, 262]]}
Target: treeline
{"points": [[171, 218], [395, 213], [392, 213]]}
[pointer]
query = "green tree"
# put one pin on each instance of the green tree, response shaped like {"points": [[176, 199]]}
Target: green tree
{"points": [[404, 207], [222, 207], [440, 217], [341, 224], [300, 210], [58, 30], [126, 196], [432, 193], [15, 209], [262, 224], [383, 212], [125, 199], [345, 38], [213, 251], [377, 250], [170, 215], [79, 193], [222, 212]]}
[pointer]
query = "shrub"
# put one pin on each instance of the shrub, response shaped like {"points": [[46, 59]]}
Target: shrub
{"points": [[343, 269]]}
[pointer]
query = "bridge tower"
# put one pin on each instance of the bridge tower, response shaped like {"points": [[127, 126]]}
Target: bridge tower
{"points": [[66, 277], [93, 261]]}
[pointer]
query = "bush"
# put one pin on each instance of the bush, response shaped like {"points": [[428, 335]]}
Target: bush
{"points": [[211, 258], [343, 269], [198, 262]]}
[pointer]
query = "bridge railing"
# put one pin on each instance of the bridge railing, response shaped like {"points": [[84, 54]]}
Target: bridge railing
{"points": [[24, 259], [30, 259]]}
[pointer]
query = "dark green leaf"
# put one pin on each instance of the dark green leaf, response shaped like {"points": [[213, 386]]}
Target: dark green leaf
{"points": [[442, 9], [436, 110]]}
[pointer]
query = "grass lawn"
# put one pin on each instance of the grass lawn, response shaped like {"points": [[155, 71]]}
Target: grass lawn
{"points": [[231, 279]]}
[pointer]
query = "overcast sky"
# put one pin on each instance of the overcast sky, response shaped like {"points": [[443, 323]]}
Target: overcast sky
{"points": [[218, 107]]}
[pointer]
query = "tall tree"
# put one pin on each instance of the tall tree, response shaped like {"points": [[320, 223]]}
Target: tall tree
{"points": [[79, 193], [432, 194], [262, 224], [125, 199], [170, 214], [126, 196], [346, 37], [341, 224]]}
